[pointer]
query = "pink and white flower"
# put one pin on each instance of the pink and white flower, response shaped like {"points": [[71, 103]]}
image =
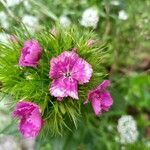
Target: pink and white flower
{"points": [[100, 99], [67, 71], [30, 118]]}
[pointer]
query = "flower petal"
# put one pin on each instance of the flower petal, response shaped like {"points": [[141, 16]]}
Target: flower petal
{"points": [[31, 126], [64, 87], [96, 104], [31, 120], [30, 54], [103, 85], [82, 71], [61, 64], [24, 108], [101, 99], [106, 101]]}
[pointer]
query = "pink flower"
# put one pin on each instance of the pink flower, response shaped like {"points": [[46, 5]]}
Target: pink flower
{"points": [[30, 118], [100, 98], [30, 54], [67, 71]]}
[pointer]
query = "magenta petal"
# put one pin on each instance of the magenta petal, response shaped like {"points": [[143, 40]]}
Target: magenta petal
{"points": [[82, 71], [30, 54], [62, 64], [30, 127], [103, 85], [96, 104], [24, 108], [30, 118], [67, 71], [106, 101], [23, 104], [101, 99], [64, 87]]}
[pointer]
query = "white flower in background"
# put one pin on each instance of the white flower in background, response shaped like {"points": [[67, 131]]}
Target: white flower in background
{"points": [[5, 120], [122, 15], [31, 23], [115, 3], [28, 143], [110, 128], [5, 117], [4, 20], [27, 5], [11, 3], [127, 129], [90, 18], [4, 38], [8, 142], [64, 21]]}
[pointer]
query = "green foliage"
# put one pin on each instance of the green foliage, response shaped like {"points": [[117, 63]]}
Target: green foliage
{"points": [[128, 42], [33, 83], [138, 93], [134, 91]]}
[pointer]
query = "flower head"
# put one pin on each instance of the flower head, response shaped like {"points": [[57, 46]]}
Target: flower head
{"points": [[31, 23], [127, 129], [4, 20], [115, 2], [67, 71], [30, 54], [11, 3], [4, 38], [64, 21], [100, 98], [27, 5], [30, 118], [122, 15], [90, 18]]}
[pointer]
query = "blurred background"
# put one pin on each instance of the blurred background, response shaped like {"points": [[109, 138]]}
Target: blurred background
{"points": [[125, 26]]}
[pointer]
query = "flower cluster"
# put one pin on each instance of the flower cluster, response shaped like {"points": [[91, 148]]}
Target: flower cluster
{"points": [[127, 129], [90, 18], [11, 3], [64, 21], [67, 72], [31, 23]]}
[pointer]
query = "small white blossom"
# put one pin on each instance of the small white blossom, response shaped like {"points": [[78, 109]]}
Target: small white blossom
{"points": [[122, 15], [115, 3], [4, 20], [31, 23], [27, 5], [4, 38], [11, 3], [28, 143], [64, 21], [8, 142], [5, 120], [127, 129], [110, 128], [90, 18]]}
